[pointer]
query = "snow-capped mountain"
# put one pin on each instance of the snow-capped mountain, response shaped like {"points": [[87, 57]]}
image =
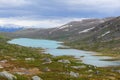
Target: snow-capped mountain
{"points": [[10, 28]]}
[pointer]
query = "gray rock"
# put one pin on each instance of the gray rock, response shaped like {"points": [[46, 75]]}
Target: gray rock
{"points": [[46, 69], [97, 72], [73, 74], [47, 61], [78, 67], [29, 59], [36, 78], [64, 61], [90, 70], [118, 71], [7, 75], [90, 75]]}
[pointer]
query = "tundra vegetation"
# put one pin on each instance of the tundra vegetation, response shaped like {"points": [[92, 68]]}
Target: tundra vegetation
{"points": [[26, 63]]}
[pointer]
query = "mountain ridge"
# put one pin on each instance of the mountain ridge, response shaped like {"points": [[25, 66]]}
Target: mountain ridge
{"points": [[63, 31], [91, 34]]}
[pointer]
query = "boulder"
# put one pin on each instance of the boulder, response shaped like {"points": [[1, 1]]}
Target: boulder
{"points": [[90, 70], [36, 78], [118, 71], [78, 67], [7, 75], [46, 69], [64, 61], [97, 72], [73, 74], [47, 61], [29, 59], [90, 75]]}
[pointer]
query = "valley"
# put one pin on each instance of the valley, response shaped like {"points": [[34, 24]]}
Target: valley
{"points": [[59, 39], [99, 35], [29, 62]]}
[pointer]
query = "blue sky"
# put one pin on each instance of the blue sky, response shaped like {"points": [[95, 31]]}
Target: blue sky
{"points": [[53, 13]]}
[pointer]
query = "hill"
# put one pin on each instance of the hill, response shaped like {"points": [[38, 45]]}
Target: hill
{"points": [[101, 35]]}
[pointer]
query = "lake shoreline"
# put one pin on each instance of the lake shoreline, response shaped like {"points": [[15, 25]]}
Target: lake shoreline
{"points": [[64, 70], [51, 47]]}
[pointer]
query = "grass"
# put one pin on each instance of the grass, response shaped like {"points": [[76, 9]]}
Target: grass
{"points": [[110, 48]]}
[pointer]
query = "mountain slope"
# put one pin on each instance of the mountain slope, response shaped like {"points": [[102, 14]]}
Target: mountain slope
{"points": [[69, 31], [89, 34], [105, 38]]}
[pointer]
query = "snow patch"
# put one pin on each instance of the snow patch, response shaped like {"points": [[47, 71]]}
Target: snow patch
{"points": [[86, 30], [105, 33], [65, 26]]}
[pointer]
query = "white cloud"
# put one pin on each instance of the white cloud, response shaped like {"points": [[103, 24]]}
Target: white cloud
{"points": [[42, 9], [59, 8], [48, 23], [13, 3], [96, 5]]}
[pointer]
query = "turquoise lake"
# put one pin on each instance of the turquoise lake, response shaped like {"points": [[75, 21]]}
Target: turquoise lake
{"points": [[51, 47]]}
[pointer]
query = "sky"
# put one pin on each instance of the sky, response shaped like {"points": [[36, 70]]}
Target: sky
{"points": [[53, 13]]}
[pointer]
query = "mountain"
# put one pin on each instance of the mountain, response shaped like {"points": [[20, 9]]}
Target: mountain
{"points": [[103, 38], [10, 28], [69, 31], [108, 31], [89, 34], [101, 35]]}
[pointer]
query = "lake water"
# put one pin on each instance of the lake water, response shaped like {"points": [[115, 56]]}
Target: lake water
{"points": [[51, 47]]}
